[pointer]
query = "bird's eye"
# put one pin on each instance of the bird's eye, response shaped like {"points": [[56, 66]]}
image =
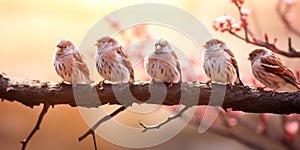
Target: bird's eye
{"points": [[103, 42], [211, 44], [254, 55]]}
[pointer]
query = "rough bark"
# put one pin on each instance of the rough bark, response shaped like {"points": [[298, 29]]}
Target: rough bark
{"points": [[242, 98]]}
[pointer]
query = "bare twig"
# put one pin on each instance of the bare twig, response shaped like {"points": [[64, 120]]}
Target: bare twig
{"points": [[102, 120], [178, 114], [37, 126], [251, 38], [94, 140]]}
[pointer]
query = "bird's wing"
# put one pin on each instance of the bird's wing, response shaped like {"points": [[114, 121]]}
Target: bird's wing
{"points": [[274, 65], [126, 62], [82, 65], [177, 63], [235, 65]]}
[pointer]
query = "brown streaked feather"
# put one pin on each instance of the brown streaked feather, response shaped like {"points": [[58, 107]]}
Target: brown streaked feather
{"points": [[82, 65], [128, 65], [110, 56], [107, 39], [120, 51], [273, 64], [126, 62], [235, 65], [163, 61], [258, 51], [64, 43], [177, 64]]}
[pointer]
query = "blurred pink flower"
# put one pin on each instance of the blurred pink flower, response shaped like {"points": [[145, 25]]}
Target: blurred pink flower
{"points": [[245, 12], [223, 23], [236, 26], [232, 122], [288, 17], [244, 16], [291, 127], [238, 1], [113, 21], [289, 2]]}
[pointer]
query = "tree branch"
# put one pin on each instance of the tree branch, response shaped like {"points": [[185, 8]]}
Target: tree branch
{"points": [[157, 126], [37, 126], [242, 98], [102, 120], [227, 24]]}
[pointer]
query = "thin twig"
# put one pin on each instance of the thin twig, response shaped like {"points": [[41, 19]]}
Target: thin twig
{"points": [[178, 114], [37, 126], [102, 120], [94, 141], [260, 42]]}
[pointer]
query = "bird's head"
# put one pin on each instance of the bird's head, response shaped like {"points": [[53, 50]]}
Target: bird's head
{"points": [[214, 45], [105, 42], [258, 52], [162, 46], [65, 45]]}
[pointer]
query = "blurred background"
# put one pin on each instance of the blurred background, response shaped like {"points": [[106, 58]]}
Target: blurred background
{"points": [[29, 30]]}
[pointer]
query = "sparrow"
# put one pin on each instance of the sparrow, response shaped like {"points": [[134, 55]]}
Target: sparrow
{"points": [[111, 62], [163, 65], [69, 63], [268, 69], [220, 64]]}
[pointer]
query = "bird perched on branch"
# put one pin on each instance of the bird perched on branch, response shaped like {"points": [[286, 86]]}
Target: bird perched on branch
{"points": [[69, 63], [111, 62], [268, 69], [163, 65], [219, 63]]}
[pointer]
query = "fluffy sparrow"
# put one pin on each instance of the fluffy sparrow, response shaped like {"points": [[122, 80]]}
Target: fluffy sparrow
{"points": [[69, 63], [268, 69], [163, 65], [219, 63], [111, 62]]}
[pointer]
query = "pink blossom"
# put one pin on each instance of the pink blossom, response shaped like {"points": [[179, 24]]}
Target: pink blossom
{"points": [[288, 17], [232, 122], [289, 2], [238, 1], [291, 127], [244, 20], [245, 12], [260, 129], [236, 26], [223, 23]]}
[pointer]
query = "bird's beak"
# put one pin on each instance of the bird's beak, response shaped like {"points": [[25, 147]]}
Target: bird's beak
{"points": [[97, 44], [58, 50], [249, 58], [205, 45], [158, 47]]}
